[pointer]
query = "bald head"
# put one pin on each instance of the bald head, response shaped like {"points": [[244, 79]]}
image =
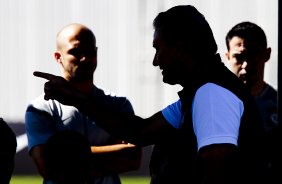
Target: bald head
{"points": [[74, 31], [76, 53]]}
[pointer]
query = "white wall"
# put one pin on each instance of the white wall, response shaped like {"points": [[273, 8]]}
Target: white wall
{"points": [[124, 36]]}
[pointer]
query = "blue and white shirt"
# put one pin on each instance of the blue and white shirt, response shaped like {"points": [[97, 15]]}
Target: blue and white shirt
{"points": [[44, 118]]}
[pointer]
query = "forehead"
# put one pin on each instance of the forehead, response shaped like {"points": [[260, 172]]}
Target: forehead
{"points": [[238, 42], [156, 38]]}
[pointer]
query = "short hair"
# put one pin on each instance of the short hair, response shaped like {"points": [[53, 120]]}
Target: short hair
{"points": [[248, 31], [186, 24], [68, 156]]}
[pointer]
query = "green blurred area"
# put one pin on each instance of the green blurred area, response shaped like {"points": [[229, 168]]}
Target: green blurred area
{"points": [[38, 180], [26, 180]]}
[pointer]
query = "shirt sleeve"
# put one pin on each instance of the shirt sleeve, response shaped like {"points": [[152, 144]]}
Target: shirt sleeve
{"points": [[127, 106], [173, 114], [216, 115], [39, 126]]}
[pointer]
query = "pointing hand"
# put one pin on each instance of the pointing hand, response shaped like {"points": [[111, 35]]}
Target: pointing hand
{"points": [[57, 88]]}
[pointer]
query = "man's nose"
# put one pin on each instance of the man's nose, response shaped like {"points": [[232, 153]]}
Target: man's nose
{"points": [[82, 58], [244, 64], [155, 61]]}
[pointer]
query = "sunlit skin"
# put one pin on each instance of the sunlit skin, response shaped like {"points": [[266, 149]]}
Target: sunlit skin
{"points": [[77, 54], [247, 60]]}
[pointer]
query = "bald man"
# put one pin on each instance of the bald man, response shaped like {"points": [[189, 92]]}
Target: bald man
{"points": [[76, 54]]}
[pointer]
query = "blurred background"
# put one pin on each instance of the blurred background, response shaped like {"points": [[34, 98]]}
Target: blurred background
{"points": [[124, 32]]}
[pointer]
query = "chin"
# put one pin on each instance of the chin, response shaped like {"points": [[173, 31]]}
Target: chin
{"points": [[170, 82], [83, 78]]}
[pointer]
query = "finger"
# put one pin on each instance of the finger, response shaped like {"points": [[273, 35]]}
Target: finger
{"points": [[47, 76]]}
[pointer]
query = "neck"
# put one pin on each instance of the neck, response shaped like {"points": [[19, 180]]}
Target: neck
{"points": [[257, 89], [85, 87]]}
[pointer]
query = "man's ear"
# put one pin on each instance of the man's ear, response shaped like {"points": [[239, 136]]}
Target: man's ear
{"points": [[227, 55], [58, 56], [267, 54]]}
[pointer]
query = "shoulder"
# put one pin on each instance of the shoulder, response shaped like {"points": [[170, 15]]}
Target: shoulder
{"points": [[110, 98], [269, 91], [268, 98], [212, 90], [39, 104], [8, 137], [212, 98], [109, 95]]}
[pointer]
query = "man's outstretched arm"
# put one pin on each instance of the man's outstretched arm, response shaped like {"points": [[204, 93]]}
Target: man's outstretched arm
{"points": [[127, 126]]}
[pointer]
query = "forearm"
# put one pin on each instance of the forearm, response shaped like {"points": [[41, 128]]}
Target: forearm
{"points": [[38, 156], [125, 126], [111, 148], [116, 162]]}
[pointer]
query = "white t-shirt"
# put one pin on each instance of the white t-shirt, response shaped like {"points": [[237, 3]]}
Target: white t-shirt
{"points": [[216, 115]]}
